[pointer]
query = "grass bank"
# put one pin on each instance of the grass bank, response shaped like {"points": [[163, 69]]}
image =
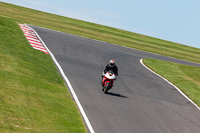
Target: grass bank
{"points": [[33, 96], [100, 32], [187, 78]]}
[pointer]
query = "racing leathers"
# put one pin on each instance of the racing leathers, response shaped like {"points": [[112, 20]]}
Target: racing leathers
{"points": [[107, 68]]}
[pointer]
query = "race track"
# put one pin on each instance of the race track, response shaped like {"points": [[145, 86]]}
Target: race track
{"points": [[140, 101]]}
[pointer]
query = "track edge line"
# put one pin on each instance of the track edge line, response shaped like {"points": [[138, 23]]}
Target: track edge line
{"points": [[141, 61], [69, 85]]}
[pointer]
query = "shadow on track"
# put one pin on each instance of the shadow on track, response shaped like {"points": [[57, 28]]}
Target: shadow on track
{"points": [[115, 94]]}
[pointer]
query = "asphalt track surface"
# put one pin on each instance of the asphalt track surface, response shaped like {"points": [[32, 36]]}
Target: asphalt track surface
{"points": [[140, 101]]}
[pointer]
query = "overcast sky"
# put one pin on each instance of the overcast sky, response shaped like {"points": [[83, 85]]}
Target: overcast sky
{"points": [[173, 20]]}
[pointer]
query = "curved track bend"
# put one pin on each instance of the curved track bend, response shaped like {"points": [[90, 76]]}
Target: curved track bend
{"points": [[140, 101]]}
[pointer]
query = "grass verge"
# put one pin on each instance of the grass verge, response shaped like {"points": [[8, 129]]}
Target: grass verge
{"points": [[99, 32], [33, 96], [186, 78]]}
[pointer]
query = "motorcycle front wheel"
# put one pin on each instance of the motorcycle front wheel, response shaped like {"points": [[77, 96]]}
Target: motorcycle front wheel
{"points": [[106, 87]]}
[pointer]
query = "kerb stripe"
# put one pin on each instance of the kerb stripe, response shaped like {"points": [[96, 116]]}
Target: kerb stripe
{"points": [[32, 38]]}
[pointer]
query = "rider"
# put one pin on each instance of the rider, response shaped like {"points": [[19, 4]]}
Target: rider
{"points": [[110, 66]]}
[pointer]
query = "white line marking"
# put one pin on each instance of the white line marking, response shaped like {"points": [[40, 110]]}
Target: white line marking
{"points": [[69, 85], [141, 61], [71, 89]]}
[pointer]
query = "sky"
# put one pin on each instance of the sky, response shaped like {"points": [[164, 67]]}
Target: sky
{"points": [[173, 20]]}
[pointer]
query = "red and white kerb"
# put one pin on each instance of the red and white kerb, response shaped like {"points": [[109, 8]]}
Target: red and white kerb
{"points": [[32, 38]]}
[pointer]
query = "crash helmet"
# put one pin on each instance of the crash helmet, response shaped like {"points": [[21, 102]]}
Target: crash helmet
{"points": [[112, 63]]}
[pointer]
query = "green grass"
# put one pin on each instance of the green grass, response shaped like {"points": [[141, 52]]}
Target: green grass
{"points": [[100, 32], [33, 96], [187, 78]]}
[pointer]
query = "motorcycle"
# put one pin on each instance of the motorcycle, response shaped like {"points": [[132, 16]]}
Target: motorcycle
{"points": [[108, 80]]}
